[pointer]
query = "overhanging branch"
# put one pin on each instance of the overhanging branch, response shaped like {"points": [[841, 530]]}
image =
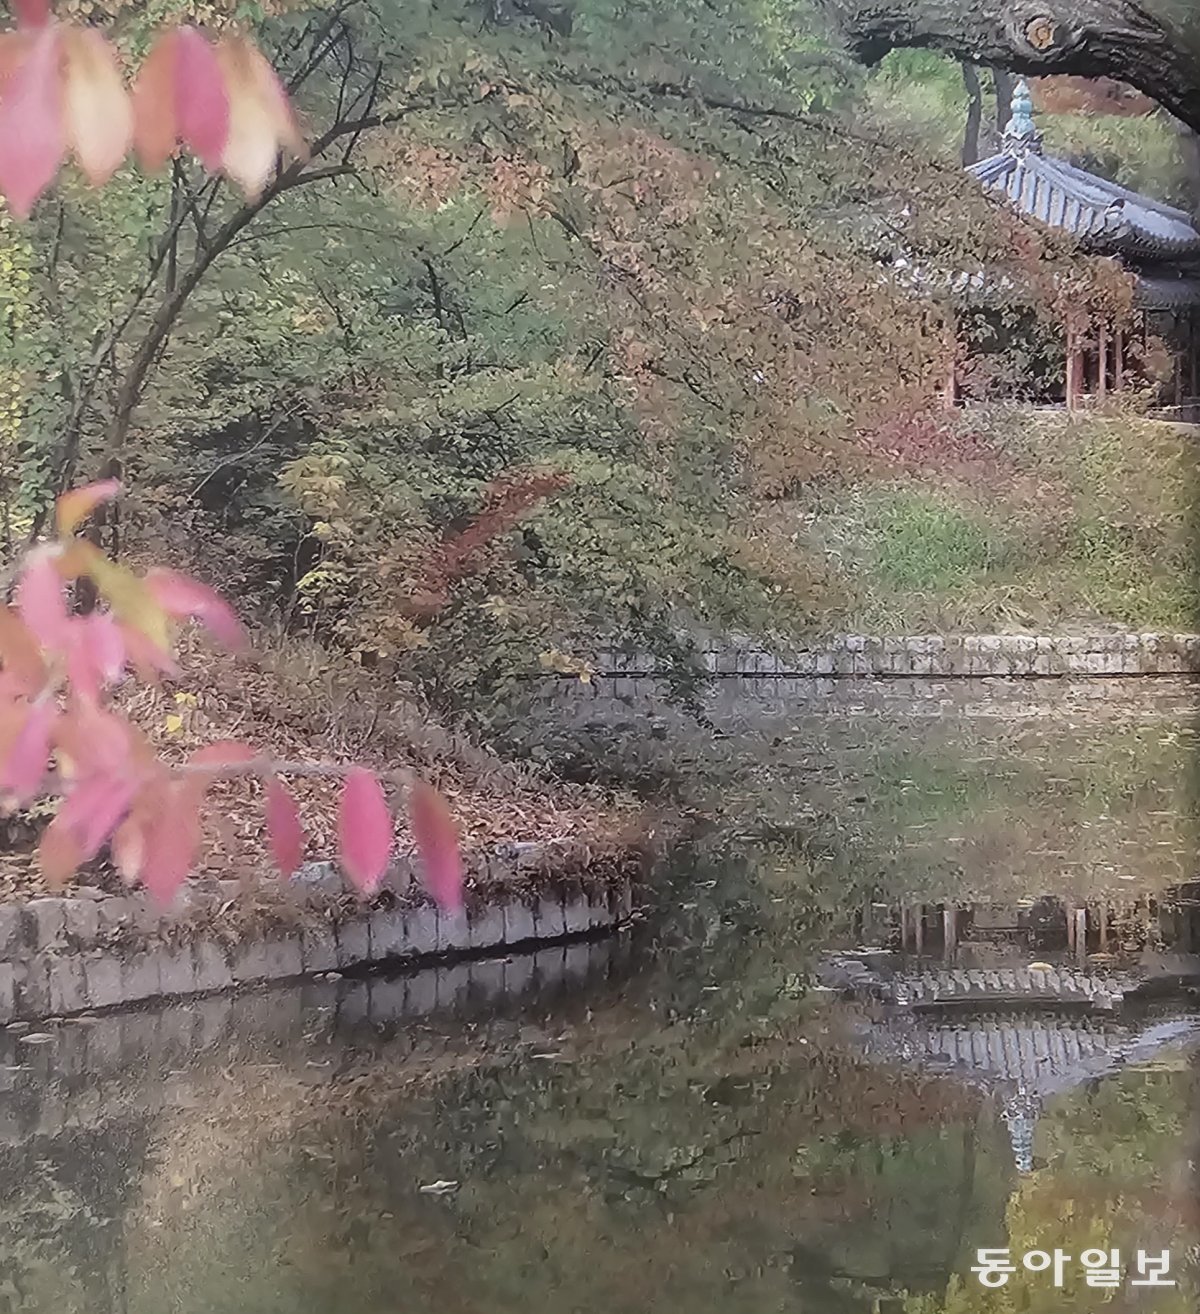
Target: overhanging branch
{"points": [[1153, 45]]}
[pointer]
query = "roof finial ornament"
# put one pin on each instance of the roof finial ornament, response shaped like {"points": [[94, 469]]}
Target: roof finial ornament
{"points": [[1022, 135]]}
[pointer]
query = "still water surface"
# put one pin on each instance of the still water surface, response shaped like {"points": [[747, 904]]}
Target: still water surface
{"points": [[731, 1109]]}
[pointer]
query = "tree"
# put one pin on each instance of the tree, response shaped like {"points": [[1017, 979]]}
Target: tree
{"points": [[1152, 44], [970, 150]]}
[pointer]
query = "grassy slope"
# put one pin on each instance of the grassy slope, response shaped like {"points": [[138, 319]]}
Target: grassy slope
{"points": [[1017, 522]]}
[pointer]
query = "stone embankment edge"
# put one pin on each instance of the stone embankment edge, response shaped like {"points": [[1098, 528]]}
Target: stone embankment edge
{"points": [[936, 655], [88, 951]]}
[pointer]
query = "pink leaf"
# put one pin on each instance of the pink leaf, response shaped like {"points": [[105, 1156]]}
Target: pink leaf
{"points": [[93, 810], [24, 767], [201, 102], [32, 13], [180, 596], [260, 117], [172, 837], [40, 601], [96, 657], [437, 844], [364, 830], [147, 657], [284, 828], [155, 119], [32, 139]]}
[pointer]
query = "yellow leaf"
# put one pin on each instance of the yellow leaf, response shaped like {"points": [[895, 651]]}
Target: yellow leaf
{"points": [[174, 723], [185, 699], [127, 595]]}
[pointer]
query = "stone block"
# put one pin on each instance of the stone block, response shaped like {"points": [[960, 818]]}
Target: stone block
{"points": [[453, 983], [211, 970], [82, 923], [519, 924], [248, 962], [855, 643], [8, 993], [46, 922], [548, 967], [548, 917], [600, 915], [485, 926], [318, 947], [12, 932], [66, 985], [421, 930], [577, 914], [33, 988], [518, 975], [283, 956], [454, 933], [487, 978], [353, 938], [422, 993], [388, 999], [389, 934], [824, 663], [212, 1019], [102, 981], [177, 969], [922, 664], [577, 962], [140, 976]]}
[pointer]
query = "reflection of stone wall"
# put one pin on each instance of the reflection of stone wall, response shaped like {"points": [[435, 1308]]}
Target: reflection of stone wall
{"points": [[942, 655], [140, 1061], [62, 956]]}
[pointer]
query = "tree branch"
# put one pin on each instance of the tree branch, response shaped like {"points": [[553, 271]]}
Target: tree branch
{"points": [[1153, 45]]}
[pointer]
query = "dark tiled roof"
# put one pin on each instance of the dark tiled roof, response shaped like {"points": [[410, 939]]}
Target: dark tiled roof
{"points": [[1105, 218]]}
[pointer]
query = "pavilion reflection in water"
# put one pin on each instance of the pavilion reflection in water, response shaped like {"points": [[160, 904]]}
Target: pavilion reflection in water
{"points": [[966, 991]]}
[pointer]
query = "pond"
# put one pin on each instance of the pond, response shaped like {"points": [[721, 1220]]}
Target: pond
{"points": [[922, 987]]}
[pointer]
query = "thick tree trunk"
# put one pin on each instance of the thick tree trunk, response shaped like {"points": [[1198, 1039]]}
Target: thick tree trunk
{"points": [[970, 150], [1153, 45]]}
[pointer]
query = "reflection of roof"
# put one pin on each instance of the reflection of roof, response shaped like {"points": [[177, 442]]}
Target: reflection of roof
{"points": [[947, 987], [1103, 216], [1023, 1058], [1161, 293]]}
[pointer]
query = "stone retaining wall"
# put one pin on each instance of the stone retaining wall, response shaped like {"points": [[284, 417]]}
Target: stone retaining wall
{"points": [[60, 956], [937, 655]]}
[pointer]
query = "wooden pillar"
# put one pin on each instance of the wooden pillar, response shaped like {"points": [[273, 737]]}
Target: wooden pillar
{"points": [[903, 928], [950, 394], [1071, 381], [950, 931], [1103, 930], [1102, 357], [1119, 359], [1069, 909], [919, 930], [1081, 933], [1194, 383]]}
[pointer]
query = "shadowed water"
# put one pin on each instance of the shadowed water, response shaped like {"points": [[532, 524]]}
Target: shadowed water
{"points": [[865, 1035]]}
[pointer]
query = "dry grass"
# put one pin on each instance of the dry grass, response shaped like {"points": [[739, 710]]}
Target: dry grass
{"points": [[300, 703]]}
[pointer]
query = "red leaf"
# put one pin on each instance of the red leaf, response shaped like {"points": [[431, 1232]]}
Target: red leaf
{"points": [[171, 839], [32, 13], [284, 828], [31, 124], [155, 122], [364, 830], [25, 764], [201, 101], [99, 119], [40, 601], [437, 844], [180, 596]]}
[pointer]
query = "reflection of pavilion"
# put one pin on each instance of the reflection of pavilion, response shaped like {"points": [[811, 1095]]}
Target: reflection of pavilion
{"points": [[1024, 1059]]}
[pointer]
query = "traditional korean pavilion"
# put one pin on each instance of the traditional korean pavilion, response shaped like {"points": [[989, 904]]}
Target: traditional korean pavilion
{"points": [[1157, 243]]}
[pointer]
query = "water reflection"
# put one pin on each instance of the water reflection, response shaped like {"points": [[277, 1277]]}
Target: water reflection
{"points": [[871, 1037]]}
